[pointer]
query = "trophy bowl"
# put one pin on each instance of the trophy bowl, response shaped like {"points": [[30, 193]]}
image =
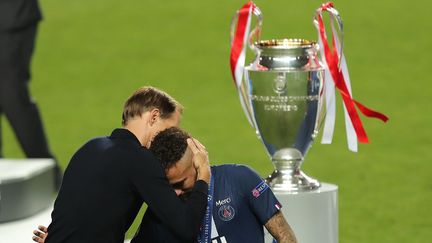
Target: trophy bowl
{"points": [[283, 93]]}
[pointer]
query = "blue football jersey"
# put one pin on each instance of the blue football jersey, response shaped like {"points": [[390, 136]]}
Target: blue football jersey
{"points": [[242, 204]]}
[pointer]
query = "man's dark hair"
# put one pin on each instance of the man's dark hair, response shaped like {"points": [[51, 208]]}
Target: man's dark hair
{"points": [[169, 146]]}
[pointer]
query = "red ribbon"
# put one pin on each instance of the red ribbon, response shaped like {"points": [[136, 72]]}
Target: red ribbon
{"points": [[238, 41], [332, 59]]}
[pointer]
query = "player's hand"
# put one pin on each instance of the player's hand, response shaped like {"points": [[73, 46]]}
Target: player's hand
{"points": [[200, 159], [40, 234]]}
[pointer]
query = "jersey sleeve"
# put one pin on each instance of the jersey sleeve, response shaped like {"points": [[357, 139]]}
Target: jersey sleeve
{"points": [[258, 194]]}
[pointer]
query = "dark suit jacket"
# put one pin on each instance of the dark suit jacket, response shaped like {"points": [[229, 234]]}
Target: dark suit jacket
{"points": [[104, 186], [15, 14]]}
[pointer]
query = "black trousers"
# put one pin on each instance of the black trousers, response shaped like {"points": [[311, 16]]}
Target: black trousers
{"points": [[16, 104]]}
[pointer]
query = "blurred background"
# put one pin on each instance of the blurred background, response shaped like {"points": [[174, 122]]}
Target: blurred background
{"points": [[91, 55]]}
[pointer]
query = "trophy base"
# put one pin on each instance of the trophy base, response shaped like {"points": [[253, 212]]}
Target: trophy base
{"points": [[297, 182], [313, 215]]}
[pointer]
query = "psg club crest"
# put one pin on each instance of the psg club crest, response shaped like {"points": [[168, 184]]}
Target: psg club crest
{"points": [[226, 212]]}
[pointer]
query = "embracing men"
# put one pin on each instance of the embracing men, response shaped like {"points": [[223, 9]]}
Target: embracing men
{"points": [[109, 178]]}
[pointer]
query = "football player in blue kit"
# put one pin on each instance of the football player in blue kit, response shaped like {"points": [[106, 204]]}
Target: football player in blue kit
{"points": [[240, 203]]}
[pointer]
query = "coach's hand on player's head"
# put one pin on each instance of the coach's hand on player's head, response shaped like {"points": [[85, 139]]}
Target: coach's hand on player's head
{"points": [[200, 159], [40, 234]]}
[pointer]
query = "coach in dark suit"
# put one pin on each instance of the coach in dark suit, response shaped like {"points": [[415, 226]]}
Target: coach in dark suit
{"points": [[109, 178], [18, 26]]}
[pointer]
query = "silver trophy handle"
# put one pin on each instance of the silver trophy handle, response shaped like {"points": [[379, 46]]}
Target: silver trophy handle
{"points": [[255, 34], [253, 37], [338, 18], [339, 33]]}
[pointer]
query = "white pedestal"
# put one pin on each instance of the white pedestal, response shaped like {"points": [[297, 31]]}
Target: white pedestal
{"points": [[313, 215], [20, 231], [26, 197], [26, 187]]}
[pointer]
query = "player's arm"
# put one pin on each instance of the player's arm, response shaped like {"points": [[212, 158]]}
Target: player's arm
{"points": [[264, 204], [40, 234], [280, 229]]}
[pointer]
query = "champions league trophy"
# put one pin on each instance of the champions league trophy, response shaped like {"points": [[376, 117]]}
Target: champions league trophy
{"points": [[282, 96], [285, 93]]}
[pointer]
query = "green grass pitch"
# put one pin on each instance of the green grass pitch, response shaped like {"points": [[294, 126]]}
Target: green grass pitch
{"points": [[91, 55]]}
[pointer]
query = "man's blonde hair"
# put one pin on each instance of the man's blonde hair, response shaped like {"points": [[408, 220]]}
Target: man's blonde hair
{"points": [[147, 98]]}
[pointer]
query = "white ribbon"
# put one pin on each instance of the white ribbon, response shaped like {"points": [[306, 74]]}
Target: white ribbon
{"points": [[329, 122]]}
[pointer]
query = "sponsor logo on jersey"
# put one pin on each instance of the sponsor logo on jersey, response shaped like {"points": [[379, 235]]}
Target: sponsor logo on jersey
{"points": [[226, 212], [223, 201], [258, 190]]}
